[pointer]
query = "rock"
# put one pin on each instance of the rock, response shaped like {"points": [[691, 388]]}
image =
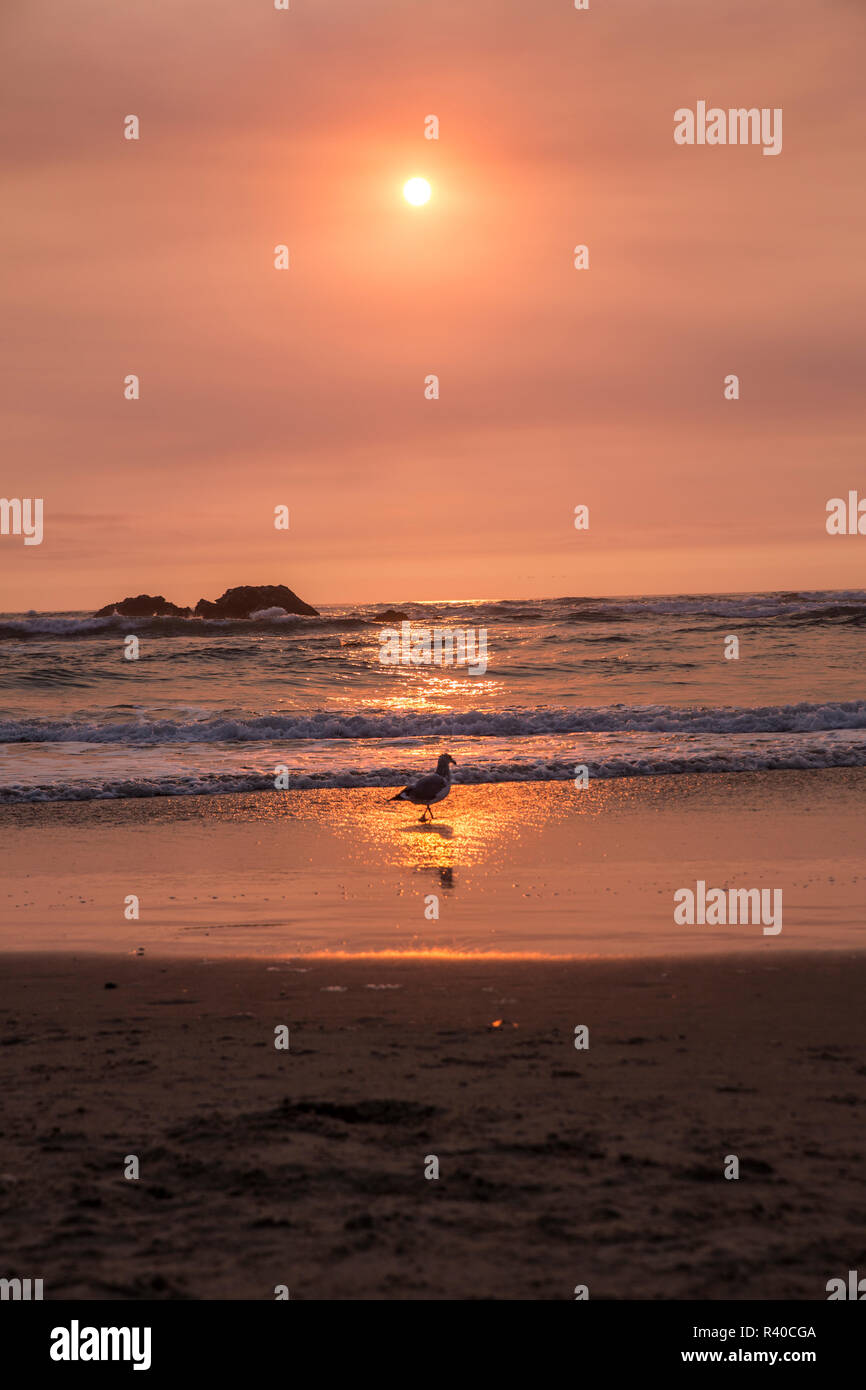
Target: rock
{"points": [[144, 606], [234, 603], [391, 615], [251, 598]]}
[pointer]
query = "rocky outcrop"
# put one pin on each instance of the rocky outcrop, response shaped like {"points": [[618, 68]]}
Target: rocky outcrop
{"points": [[241, 602], [391, 615], [144, 606], [252, 598]]}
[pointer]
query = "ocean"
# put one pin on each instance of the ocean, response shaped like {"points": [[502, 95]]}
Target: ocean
{"points": [[622, 686]]}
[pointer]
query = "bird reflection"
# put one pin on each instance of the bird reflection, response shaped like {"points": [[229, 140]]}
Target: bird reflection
{"points": [[443, 872], [445, 832]]}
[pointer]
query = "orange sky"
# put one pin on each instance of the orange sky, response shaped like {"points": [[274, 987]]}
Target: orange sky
{"points": [[305, 387]]}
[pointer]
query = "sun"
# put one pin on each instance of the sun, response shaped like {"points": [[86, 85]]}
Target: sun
{"points": [[416, 192]]}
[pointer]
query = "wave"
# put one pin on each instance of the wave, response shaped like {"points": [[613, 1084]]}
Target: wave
{"points": [[601, 615], [832, 607], [604, 767], [48, 625], [797, 608], [512, 723]]}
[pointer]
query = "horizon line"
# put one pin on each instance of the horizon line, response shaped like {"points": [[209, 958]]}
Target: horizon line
{"points": [[519, 598]]}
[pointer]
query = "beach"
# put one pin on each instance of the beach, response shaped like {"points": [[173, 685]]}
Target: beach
{"points": [[305, 1168], [432, 673], [522, 868], [454, 1038]]}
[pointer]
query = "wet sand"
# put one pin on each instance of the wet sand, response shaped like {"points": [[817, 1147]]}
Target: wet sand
{"points": [[557, 1167], [515, 868]]}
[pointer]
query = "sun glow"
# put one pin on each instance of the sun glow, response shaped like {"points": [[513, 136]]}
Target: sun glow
{"points": [[416, 192]]}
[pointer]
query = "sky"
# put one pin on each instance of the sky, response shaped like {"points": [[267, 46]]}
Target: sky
{"points": [[305, 387]]}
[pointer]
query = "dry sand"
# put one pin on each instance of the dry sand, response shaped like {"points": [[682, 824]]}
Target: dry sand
{"points": [[557, 1167]]}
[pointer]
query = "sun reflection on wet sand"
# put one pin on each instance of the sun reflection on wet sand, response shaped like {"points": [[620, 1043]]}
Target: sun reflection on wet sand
{"points": [[443, 953], [520, 869], [472, 825]]}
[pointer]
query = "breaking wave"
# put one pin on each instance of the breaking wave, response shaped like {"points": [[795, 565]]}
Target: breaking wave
{"points": [[548, 770], [512, 723]]}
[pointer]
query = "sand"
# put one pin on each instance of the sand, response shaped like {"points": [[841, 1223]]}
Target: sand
{"points": [[557, 1167], [414, 1037], [529, 868]]}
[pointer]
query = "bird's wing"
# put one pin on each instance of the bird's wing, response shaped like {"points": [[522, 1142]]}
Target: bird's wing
{"points": [[428, 786]]}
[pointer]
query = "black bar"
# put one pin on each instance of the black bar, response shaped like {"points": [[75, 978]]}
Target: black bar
{"points": [[242, 1339]]}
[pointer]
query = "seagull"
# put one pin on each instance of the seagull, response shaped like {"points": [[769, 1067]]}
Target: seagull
{"points": [[430, 789]]}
